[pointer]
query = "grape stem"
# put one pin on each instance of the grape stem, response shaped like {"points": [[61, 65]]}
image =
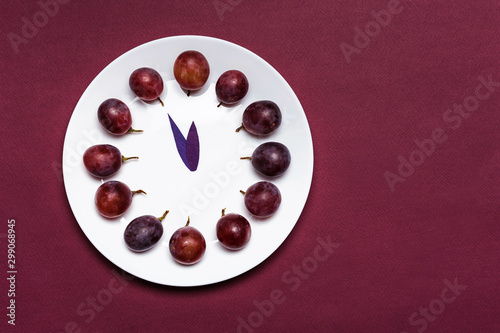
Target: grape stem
{"points": [[223, 212], [189, 93], [246, 158], [131, 130], [163, 216], [187, 223], [138, 191], [129, 158], [243, 192], [219, 104], [161, 101], [240, 128]]}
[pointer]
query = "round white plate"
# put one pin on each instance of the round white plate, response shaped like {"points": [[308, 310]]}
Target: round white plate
{"points": [[160, 172]]}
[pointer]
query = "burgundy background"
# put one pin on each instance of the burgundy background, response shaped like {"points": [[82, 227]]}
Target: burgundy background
{"points": [[396, 248]]}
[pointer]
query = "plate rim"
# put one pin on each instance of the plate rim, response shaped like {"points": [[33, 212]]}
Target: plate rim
{"points": [[309, 149]]}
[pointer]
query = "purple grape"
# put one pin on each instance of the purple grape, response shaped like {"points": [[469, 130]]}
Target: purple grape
{"points": [[104, 160], [261, 118], [262, 199], [147, 84], [187, 245], [231, 87], [143, 232], [113, 198], [115, 117], [191, 70], [233, 231], [270, 159]]}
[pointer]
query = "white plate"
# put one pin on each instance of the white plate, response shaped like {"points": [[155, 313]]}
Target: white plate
{"points": [[169, 184]]}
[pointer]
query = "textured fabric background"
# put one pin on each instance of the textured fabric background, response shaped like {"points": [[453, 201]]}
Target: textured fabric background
{"points": [[406, 185]]}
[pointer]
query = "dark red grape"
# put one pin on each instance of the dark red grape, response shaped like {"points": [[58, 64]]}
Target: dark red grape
{"points": [[261, 118], [270, 159], [187, 245], [262, 199], [147, 84], [231, 87], [113, 198], [104, 160], [115, 117], [191, 70], [233, 231], [143, 232]]}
